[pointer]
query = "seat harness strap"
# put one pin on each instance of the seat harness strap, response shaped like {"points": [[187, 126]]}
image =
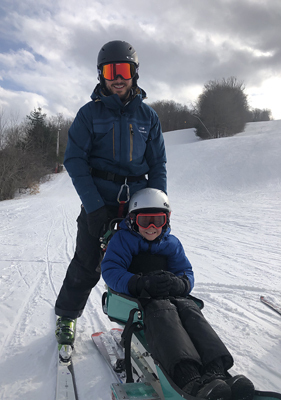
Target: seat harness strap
{"points": [[126, 339]]}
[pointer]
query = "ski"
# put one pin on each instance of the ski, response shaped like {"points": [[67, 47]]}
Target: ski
{"points": [[111, 352], [270, 304], [145, 385], [66, 385]]}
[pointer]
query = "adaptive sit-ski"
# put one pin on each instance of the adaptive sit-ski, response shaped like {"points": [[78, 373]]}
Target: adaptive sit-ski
{"points": [[138, 376]]}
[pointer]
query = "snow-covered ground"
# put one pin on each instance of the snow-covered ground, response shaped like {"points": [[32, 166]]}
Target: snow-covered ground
{"points": [[225, 195]]}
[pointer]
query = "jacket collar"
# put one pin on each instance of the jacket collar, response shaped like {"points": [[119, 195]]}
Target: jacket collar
{"points": [[113, 101]]}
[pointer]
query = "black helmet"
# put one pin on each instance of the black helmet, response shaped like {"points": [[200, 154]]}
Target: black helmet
{"points": [[117, 51]]}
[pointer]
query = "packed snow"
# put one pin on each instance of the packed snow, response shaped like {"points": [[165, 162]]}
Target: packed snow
{"points": [[225, 195]]}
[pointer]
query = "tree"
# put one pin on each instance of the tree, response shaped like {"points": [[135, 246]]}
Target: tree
{"points": [[222, 109], [3, 127], [7, 123], [61, 125], [19, 167], [257, 114], [40, 138], [28, 151], [172, 115]]}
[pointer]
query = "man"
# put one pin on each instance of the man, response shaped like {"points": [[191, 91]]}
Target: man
{"points": [[115, 148]]}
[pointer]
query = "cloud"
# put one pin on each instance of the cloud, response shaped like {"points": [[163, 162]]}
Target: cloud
{"points": [[49, 49]]}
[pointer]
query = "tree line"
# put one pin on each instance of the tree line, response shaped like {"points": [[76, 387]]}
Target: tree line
{"points": [[221, 110], [30, 151], [33, 149]]}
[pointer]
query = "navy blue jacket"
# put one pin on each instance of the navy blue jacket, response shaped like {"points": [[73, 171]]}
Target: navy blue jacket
{"points": [[122, 139], [126, 243]]}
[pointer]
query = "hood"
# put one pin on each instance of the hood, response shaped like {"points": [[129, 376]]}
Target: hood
{"points": [[113, 101]]}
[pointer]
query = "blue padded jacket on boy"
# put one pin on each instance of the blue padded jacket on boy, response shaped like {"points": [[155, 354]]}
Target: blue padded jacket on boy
{"points": [[126, 243]]}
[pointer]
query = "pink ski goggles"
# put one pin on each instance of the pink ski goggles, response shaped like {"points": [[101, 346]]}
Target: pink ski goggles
{"points": [[157, 220]]}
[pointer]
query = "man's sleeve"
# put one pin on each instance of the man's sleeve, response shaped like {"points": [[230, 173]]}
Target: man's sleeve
{"points": [[76, 162], [156, 157]]}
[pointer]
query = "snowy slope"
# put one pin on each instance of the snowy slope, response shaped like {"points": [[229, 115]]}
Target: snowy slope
{"points": [[225, 195]]}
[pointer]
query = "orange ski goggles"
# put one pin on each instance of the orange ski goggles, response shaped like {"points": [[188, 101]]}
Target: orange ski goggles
{"points": [[147, 220], [125, 70]]}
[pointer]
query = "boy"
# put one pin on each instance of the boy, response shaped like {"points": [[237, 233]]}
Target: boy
{"points": [[143, 260]]}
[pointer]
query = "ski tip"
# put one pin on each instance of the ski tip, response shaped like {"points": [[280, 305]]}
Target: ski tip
{"points": [[117, 329], [97, 334]]}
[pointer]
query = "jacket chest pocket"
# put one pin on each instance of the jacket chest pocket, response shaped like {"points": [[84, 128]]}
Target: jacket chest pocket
{"points": [[138, 136], [103, 140]]}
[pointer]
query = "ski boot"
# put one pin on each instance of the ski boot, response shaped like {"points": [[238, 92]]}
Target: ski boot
{"points": [[65, 335], [241, 387]]}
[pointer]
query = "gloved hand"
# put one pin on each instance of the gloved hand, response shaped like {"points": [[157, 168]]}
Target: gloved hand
{"points": [[97, 221], [156, 285], [180, 286]]}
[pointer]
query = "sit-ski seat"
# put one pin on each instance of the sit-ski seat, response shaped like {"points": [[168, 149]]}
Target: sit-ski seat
{"points": [[121, 309], [128, 312], [118, 306]]}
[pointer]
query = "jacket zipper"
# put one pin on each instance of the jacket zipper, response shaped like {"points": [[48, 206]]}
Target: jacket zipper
{"points": [[131, 141], [113, 142]]}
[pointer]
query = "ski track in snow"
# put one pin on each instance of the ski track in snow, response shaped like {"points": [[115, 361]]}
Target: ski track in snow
{"points": [[227, 215]]}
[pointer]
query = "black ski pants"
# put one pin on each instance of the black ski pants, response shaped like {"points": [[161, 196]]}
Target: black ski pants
{"points": [[176, 330], [83, 272]]}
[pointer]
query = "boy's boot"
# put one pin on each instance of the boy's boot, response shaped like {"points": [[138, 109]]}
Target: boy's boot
{"points": [[214, 390], [214, 370], [65, 335], [188, 378], [241, 387]]}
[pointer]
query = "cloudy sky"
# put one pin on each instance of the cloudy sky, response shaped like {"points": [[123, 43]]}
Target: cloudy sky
{"points": [[48, 49]]}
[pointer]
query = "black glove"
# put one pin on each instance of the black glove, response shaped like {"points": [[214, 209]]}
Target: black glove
{"points": [[97, 221], [156, 285], [180, 286]]}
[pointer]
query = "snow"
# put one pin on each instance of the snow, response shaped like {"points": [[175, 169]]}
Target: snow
{"points": [[225, 195]]}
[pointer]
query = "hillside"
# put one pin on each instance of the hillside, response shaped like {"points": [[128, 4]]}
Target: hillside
{"points": [[225, 196]]}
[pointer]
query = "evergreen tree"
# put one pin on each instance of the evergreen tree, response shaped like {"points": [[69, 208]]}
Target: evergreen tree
{"points": [[40, 137]]}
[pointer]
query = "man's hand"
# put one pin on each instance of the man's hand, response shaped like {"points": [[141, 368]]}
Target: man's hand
{"points": [[97, 221]]}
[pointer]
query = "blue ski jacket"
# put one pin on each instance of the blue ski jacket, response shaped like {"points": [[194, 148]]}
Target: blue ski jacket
{"points": [[126, 243], [110, 136]]}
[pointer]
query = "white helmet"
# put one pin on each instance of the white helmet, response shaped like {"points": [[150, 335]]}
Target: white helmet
{"points": [[149, 198]]}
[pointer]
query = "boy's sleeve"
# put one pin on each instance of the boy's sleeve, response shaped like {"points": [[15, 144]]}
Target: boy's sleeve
{"points": [[178, 263], [117, 259]]}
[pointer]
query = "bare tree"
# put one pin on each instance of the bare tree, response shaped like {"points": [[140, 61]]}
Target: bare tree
{"points": [[3, 126], [7, 121], [257, 114], [172, 115], [61, 125], [223, 108]]}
